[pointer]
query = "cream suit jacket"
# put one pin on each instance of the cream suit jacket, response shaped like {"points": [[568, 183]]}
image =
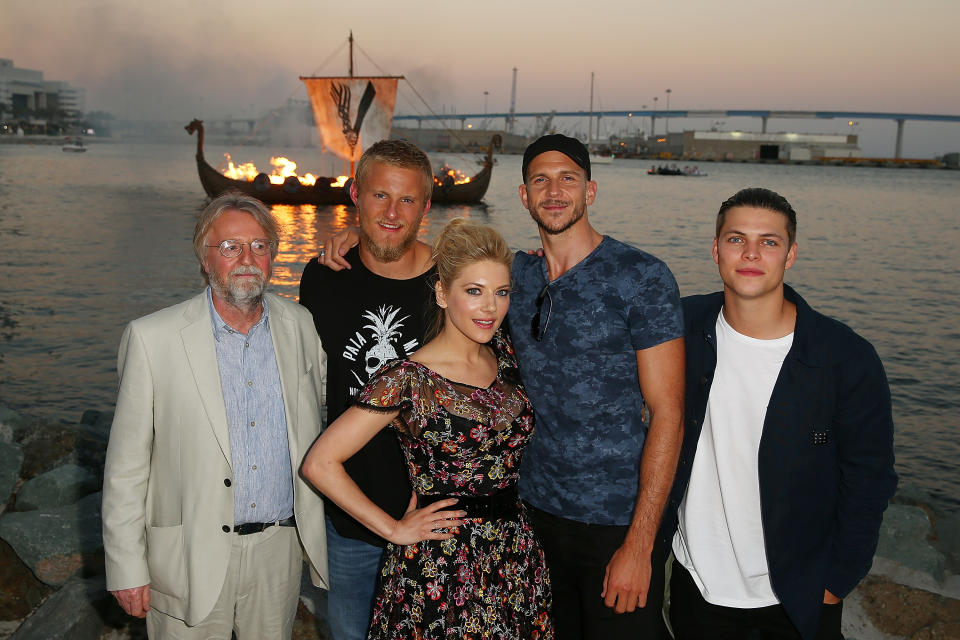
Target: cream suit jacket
{"points": [[167, 496]]}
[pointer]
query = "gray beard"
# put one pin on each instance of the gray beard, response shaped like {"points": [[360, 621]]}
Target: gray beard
{"points": [[238, 294]]}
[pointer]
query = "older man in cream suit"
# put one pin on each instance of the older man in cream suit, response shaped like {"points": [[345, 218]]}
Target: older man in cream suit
{"points": [[205, 517]]}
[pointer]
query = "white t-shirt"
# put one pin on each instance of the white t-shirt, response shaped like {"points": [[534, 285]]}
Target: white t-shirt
{"points": [[720, 535]]}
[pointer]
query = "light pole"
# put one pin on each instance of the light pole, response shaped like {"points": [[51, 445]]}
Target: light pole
{"points": [[668, 109], [485, 122], [653, 118]]}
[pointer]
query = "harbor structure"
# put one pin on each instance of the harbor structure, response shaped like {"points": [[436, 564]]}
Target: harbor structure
{"points": [[460, 140], [754, 146], [25, 94], [764, 115]]}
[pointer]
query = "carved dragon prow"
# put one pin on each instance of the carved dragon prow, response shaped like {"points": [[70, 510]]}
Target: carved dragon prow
{"points": [[197, 125]]}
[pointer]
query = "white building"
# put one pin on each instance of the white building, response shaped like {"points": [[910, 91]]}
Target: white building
{"points": [[24, 90], [746, 145]]}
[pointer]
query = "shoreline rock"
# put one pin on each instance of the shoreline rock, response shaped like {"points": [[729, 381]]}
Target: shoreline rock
{"points": [[57, 543], [51, 557], [11, 461], [58, 487]]}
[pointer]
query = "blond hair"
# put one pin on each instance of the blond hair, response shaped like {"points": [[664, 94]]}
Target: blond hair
{"points": [[460, 244], [396, 153]]}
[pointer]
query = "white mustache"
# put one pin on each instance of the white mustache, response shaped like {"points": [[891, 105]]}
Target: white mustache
{"points": [[242, 270]]}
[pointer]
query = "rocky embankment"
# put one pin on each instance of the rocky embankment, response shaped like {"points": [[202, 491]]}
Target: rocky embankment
{"points": [[51, 550]]}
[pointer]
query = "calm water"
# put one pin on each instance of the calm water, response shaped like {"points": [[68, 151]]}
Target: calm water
{"points": [[93, 240]]}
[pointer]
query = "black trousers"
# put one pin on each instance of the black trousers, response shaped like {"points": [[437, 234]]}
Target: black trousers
{"points": [[693, 618], [577, 555]]}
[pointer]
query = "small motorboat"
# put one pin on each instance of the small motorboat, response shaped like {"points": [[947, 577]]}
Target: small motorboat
{"points": [[673, 170], [73, 145]]}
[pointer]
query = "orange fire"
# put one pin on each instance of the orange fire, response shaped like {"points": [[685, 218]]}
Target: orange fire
{"points": [[283, 168], [447, 174]]}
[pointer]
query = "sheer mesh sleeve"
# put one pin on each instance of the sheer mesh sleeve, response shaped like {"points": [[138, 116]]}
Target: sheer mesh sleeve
{"points": [[405, 386]]}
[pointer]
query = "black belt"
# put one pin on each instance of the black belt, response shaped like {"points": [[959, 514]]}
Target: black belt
{"points": [[502, 504], [256, 527]]}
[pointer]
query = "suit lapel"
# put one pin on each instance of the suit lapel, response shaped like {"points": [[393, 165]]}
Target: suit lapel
{"points": [[287, 349], [198, 342]]}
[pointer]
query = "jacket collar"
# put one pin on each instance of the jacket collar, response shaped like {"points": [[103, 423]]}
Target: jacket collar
{"points": [[806, 347]]}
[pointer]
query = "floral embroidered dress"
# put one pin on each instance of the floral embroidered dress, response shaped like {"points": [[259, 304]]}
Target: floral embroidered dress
{"points": [[490, 579]]}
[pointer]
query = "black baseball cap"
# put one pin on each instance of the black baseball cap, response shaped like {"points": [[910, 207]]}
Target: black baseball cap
{"points": [[570, 147]]}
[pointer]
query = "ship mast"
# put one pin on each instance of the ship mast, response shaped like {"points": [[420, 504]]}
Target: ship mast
{"points": [[351, 75]]}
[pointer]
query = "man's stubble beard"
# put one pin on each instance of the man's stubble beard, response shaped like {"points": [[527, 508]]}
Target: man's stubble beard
{"points": [[387, 253], [578, 211]]}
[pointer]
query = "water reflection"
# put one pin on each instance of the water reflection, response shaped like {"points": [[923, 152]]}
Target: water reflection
{"points": [[100, 245], [303, 228]]}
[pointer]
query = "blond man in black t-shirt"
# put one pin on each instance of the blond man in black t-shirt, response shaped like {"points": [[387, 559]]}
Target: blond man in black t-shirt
{"points": [[368, 313]]}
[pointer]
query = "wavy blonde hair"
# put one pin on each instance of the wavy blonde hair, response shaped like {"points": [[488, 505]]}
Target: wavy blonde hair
{"points": [[460, 244]]}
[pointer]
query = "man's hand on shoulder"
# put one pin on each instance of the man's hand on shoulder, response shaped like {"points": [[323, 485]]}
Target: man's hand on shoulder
{"points": [[135, 601], [626, 580], [336, 247]]}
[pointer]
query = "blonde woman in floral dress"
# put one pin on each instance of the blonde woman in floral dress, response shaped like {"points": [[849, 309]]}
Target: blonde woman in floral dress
{"points": [[463, 561]]}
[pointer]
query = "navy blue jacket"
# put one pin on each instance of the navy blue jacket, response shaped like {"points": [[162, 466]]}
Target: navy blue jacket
{"points": [[825, 460]]}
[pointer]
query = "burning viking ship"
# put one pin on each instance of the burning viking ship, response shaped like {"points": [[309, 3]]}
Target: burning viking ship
{"points": [[346, 127]]}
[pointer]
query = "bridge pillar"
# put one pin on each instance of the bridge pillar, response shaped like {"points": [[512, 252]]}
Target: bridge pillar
{"points": [[898, 153], [763, 119], [653, 125]]}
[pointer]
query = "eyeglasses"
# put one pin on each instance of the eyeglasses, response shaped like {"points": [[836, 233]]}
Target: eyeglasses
{"points": [[233, 248], [537, 331]]}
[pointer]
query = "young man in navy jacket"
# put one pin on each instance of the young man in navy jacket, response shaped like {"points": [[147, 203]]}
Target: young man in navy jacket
{"points": [[787, 461]]}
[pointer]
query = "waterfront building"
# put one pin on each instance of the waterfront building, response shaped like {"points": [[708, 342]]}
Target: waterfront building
{"points": [[25, 95], [754, 146]]}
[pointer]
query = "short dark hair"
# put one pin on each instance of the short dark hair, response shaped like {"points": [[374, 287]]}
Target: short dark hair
{"points": [[760, 198], [570, 147]]}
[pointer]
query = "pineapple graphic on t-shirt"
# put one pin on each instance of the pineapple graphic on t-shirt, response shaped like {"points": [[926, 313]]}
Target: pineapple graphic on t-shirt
{"points": [[377, 343]]}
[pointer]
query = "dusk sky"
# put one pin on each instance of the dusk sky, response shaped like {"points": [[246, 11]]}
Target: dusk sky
{"points": [[177, 59]]}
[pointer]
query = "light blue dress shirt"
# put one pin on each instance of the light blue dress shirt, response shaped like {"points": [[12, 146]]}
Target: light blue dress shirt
{"points": [[253, 396]]}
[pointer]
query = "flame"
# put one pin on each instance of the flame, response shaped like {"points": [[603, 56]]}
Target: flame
{"points": [[341, 181], [283, 168], [246, 171], [446, 174]]}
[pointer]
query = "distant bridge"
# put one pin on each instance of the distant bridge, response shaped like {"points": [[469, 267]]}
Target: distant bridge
{"points": [[899, 118]]}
